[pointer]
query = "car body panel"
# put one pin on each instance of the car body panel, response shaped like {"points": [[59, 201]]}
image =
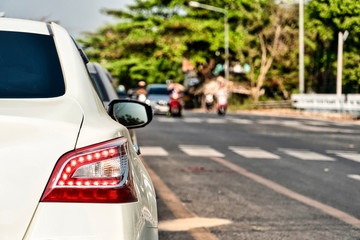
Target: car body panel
{"points": [[22, 180], [100, 127], [37, 132], [9, 24], [95, 225]]}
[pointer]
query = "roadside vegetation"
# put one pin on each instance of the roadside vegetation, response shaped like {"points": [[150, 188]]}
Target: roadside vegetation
{"points": [[153, 38]]}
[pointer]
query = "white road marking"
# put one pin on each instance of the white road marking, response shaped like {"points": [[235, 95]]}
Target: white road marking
{"points": [[354, 176], [291, 123], [193, 120], [253, 152], [344, 124], [241, 121], [176, 206], [354, 156], [314, 127], [216, 120], [165, 119], [268, 122], [153, 151], [200, 151], [323, 129], [306, 155], [185, 224], [287, 192], [317, 123]]}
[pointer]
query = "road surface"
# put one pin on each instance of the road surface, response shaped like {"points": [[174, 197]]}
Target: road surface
{"points": [[247, 176]]}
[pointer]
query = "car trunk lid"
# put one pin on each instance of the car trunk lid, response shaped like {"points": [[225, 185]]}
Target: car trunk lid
{"points": [[35, 133]]}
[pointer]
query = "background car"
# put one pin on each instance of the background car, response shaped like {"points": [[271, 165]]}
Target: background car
{"points": [[102, 81], [158, 95], [68, 167]]}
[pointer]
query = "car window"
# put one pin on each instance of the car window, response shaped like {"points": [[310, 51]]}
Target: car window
{"points": [[99, 86], [29, 66], [158, 90]]}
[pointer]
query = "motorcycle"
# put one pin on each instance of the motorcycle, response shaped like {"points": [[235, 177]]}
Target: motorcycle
{"points": [[141, 97], [209, 101], [175, 104], [221, 102], [222, 109]]}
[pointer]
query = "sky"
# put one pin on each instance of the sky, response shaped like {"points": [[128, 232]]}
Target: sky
{"points": [[77, 16]]}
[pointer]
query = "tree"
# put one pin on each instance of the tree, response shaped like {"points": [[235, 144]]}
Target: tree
{"points": [[324, 20], [152, 38], [271, 39]]}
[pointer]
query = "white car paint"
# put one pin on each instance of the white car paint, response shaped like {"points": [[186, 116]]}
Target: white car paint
{"points": [[35, 133]]}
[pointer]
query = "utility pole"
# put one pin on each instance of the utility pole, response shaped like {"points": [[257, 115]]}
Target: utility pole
{"points": [[341, 39], [301, 47], [226, 27]]}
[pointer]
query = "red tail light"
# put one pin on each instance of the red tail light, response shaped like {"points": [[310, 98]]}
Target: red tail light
{"points": [[93, 174]]}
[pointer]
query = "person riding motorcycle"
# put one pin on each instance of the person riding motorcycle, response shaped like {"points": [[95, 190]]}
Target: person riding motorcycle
{"points": [[209, 101], [141, 93], [175, 103], [222, 96]]}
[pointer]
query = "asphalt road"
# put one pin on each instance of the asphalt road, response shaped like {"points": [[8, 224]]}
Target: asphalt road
{"points": [[270, 177]]}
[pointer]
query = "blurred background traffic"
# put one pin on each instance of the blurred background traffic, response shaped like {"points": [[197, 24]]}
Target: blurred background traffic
{"points": [[265, 53]]}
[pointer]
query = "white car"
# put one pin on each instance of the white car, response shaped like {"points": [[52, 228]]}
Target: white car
{"points": [[68, 167], [158, 95]]}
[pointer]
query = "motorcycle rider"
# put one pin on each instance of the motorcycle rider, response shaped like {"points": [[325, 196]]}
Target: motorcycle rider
{"points": [[222, 96], [141, 93], [175, 99], [209, 101]]}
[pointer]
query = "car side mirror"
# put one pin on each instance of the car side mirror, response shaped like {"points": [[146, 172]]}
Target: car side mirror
{"points": [[130, 113]]}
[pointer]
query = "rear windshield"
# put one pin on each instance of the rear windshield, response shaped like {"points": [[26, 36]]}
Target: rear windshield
{"points": [[29, 66], [158, 90]]}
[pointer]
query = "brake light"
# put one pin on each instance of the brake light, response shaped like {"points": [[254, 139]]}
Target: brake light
{"points": [[94, 174]]}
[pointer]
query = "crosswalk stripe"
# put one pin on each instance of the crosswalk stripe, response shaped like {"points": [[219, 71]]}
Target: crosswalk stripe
{"points": [[153, 151], [343, 124], [354, 156], [253, 152], [200, 151], [354, 176], [241, 121], [316, 123], [164, 119], [216, 120], [193, 120], [268, 122], [311, 126], [306, 155]]}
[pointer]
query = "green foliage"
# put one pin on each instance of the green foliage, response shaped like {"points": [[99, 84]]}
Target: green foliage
{"points": [[324, 20], [152, 37]]}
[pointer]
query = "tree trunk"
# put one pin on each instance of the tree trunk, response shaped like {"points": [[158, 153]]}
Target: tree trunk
{"points": [[265, 62]]}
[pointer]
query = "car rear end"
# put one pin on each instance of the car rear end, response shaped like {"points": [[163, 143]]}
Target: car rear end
{"points": [[68, 170], [158, 95]]}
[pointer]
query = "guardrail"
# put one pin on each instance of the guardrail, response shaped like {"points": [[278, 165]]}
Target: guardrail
{"points": [[272, 104], [349, 103]]}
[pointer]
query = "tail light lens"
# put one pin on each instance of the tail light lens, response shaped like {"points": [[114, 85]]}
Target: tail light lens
{"points": [[93, 174]]}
